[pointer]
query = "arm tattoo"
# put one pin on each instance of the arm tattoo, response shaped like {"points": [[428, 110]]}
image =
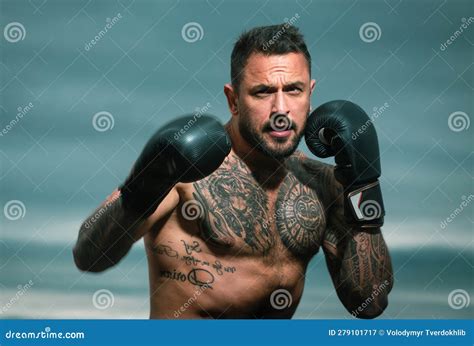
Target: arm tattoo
{"points": [[105, 237], [359, 262]]}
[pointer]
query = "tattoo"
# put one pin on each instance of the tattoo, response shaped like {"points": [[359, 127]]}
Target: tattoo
{"points": [[198, 277], [235, 207], [174, 275], [167, 250], [191, 247], [302, 220], [358, 261], [106, 236], [190, 260]]}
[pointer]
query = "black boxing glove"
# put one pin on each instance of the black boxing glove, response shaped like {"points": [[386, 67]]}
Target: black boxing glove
{"points": [[342, 129], [185, 150]]}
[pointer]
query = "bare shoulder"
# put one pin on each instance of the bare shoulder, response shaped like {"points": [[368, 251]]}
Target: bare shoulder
{"points": [[313, 172], [317, 175]]}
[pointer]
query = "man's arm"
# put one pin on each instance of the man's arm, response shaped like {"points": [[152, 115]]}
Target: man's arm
{"points": [[170, 156], [358, 261], [109, 232]]}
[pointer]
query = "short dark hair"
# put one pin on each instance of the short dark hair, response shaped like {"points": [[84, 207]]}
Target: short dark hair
{"points": [[269, 40]]}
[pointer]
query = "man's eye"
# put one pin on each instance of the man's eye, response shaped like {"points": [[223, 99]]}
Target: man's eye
{"points": [[262, 93], [294, 91]]}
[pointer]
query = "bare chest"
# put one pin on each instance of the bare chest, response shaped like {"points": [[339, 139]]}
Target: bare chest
{"points": [[235, 213]]}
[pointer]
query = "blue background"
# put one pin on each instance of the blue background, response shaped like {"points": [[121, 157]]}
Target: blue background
{"points": [[144, 73]]}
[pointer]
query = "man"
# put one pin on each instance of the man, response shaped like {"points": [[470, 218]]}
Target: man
{"points": [[231, 216]]}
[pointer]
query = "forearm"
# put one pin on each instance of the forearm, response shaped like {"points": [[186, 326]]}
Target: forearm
{"points": [[106, 236], [362, 273]]}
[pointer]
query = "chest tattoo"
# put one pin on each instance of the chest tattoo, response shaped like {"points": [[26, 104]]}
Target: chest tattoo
{"points": [[300, 217], [236, 207]]}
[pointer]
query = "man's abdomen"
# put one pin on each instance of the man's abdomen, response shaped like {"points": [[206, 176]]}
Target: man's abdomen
{"points": [[191, 278]]}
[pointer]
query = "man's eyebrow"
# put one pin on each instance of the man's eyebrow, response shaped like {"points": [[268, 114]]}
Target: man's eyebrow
{"points": [[262, 88], [297, 84], [272, 88]]}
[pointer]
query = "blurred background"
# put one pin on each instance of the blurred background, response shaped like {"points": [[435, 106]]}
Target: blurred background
{"points": [[85, 83]]}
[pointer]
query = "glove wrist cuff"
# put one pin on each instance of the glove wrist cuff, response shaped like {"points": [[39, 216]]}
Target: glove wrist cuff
{"points": [[364, 205]]}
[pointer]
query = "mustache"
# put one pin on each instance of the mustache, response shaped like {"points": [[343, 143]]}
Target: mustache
{"points": [[279, 122]]}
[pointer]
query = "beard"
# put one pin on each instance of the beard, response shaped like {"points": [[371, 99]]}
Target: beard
{"points": [[274, 147]]}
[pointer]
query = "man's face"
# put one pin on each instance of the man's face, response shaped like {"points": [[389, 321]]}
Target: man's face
{"points": [[273, 102]]}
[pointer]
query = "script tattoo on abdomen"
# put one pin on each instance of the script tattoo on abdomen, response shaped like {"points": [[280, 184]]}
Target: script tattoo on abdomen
{"points": [[200, 274], [299, 217], [234, 206]]}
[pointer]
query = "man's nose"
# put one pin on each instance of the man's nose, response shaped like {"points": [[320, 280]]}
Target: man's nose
{"points": [[279, 103]]}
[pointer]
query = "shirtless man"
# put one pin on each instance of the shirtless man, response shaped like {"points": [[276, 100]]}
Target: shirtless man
{"points": [[232, 215]]}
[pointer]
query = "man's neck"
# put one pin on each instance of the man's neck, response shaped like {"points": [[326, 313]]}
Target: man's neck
{"points": [[267, 171]]}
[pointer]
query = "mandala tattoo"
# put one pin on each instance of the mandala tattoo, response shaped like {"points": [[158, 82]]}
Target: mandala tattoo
{"points": [[300, 218]]}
